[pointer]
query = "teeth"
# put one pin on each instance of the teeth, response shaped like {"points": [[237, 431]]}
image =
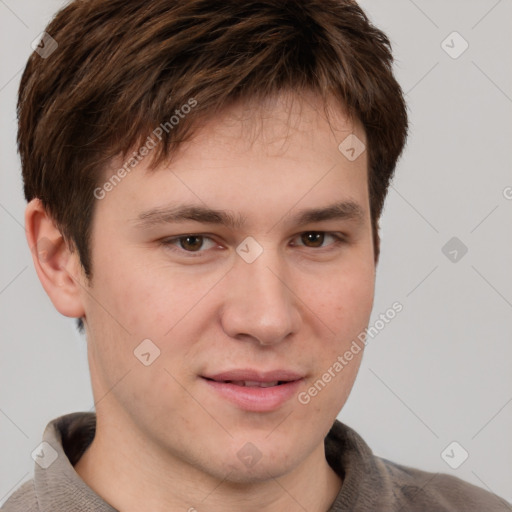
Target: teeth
{"points": [[254, 384]]}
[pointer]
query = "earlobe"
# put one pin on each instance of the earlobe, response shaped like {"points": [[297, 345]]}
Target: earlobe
{"points": [[57, 267]]}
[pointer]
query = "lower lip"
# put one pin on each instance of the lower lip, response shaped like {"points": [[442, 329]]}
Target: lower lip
{"points": [[256, 399]]}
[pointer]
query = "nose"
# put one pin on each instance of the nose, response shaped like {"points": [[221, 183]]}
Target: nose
{"points": [[259, 302]]}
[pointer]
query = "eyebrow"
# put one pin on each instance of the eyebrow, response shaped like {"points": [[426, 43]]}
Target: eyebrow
{"points": [[344, 210]]}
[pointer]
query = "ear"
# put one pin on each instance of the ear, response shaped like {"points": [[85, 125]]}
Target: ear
{"points": [[58, 268]]}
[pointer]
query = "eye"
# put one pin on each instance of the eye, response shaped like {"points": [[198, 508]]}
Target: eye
{"points": [[316, 239], [189, 243]]}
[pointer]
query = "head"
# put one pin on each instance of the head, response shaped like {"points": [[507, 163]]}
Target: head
{"points": [[225, 119]]}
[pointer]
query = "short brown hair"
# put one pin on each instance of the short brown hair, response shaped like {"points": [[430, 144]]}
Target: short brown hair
{"points": [[122, 67]]}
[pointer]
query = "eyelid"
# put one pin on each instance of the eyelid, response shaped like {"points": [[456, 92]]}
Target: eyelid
{"points": [[338, 238], [172, 242]]}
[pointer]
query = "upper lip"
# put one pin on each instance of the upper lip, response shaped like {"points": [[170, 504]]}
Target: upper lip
{"points": [[255, 375]]}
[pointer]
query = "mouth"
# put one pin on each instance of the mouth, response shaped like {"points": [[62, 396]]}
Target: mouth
{"points": [[255, 391], [252, 383]]}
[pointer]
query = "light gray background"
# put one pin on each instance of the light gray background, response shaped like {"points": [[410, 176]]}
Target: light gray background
{"points": [[441, 370]]}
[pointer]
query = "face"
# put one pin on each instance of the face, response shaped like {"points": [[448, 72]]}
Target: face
{"points": [[248, 264]]}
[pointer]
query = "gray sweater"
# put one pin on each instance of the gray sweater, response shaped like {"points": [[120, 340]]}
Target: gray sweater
{"points": [[370, 483]]}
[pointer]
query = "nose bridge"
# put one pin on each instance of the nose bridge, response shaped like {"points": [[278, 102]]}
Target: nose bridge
{"points": [[260, 303]]}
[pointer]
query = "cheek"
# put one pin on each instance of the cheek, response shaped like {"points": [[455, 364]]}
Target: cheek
{"points": [[144, 299], [344, 301]]}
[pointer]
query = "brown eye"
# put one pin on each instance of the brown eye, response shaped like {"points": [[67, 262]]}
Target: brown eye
{"points": [[313, 239], [191, 243]]}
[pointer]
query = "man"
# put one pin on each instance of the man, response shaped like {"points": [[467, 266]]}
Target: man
{"points": [[205, 182]]}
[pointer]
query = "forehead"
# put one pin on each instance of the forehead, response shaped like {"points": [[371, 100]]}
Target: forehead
{"points": [[285, 148], [273, 123]]}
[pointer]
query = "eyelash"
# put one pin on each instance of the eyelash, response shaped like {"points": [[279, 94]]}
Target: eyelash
{"points": [[171, 243]]}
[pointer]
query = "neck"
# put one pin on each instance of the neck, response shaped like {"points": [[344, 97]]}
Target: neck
{"points": [[143, 479]]}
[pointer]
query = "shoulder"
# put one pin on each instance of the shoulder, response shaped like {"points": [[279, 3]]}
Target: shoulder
{"points": [[22, 500], [446, 492], [375, 483]]}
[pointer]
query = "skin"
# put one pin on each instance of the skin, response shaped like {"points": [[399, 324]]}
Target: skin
{"points": [[165, 440]]}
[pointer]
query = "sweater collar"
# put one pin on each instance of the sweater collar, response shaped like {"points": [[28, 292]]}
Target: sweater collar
{"points": [[59, 487]]}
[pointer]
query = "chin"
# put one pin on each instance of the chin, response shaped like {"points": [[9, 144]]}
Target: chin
{"points": [[237, 474]]}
